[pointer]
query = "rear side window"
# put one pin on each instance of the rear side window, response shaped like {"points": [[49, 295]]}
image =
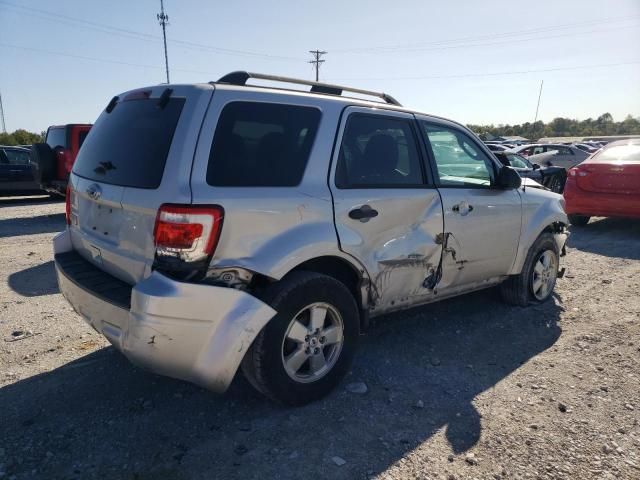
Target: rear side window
{"points": [[57, 137], [378, 152], [81, 137], [261, 145], [129, 146]]}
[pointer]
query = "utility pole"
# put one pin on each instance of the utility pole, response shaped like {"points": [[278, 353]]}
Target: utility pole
{"points": [[317, 55], [163, 19], [4, 125], [538, 106]]}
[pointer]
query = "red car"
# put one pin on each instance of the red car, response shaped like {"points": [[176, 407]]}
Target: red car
{"points": [[607, 184]]}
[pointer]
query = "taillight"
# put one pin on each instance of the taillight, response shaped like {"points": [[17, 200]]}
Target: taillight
{"points": [[187, 232], [577, 172], [67, 204]]}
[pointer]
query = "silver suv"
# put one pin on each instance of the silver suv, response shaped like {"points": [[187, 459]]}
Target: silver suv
{"points": [[221, 226]]}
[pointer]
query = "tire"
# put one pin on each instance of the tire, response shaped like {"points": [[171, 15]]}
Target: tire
{"points": [[523, 289], [44, 160], [295, 297], [578, 220], [556, 183]]}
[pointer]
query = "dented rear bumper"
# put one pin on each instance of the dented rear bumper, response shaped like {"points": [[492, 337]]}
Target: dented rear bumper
{"points": [[198, 333]]}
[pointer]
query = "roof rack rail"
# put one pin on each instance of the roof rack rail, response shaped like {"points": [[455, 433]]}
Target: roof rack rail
{"points": [[240, 78]]}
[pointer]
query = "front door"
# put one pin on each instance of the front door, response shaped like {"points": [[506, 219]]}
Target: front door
{"points": [[388, 214], [481, 222]]}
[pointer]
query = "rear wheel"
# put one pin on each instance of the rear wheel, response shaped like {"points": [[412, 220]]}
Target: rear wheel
{"points": [[578, 220], [539, 274], [306, 349]]}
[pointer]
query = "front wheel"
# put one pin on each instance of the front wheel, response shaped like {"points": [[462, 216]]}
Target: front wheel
{"points": [[306, 349], [539, 274]]}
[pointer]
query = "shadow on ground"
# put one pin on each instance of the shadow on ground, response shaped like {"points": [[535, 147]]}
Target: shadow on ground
{"points": [[607, 236], [100, 417], [35, 281], [16, 227], [29, 200]]}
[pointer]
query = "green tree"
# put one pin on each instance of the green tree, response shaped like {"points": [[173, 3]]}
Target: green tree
{"points": [[20, 137]]}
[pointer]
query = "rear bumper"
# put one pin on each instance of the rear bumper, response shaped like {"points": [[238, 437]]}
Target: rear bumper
{"points": [[601, 204], [198, 333]]}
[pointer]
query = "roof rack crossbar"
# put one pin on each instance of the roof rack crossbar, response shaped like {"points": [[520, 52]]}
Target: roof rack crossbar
{"points": [[240, 78]]}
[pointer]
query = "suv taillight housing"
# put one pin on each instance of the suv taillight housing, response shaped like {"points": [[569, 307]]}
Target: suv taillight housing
{"points": [[188, 233], [67, 204]]}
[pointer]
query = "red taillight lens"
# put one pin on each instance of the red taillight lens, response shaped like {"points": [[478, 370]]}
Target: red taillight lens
{"points": [[67, 204], [190, 232], [177, 235]]}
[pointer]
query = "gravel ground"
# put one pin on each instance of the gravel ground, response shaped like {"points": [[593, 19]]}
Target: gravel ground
{"points": [[468, 388]]}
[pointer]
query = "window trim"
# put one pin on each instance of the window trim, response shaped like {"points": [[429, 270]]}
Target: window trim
{"points": [[432, 159], [261, 102], [410, 120]]}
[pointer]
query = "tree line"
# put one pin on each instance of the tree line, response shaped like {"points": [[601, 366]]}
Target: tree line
{"points": [[565, 127], [21, 137]]}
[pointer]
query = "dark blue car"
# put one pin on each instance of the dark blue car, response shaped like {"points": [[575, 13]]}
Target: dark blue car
{"points": [[16, 176]]}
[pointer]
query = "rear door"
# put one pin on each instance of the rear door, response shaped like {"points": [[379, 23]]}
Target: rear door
{"points": [[137, 156], [481, 222], [388, 214]]}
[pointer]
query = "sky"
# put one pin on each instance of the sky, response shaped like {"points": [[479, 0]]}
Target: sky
{"points": [[478, 62]]}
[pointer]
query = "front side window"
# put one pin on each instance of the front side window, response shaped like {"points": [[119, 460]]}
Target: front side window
{"points": [[459, 160], [378, 152], [262, 145], [516, 161]]}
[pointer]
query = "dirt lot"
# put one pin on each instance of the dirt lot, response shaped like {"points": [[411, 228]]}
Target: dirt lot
{"points": [[469, 388]]}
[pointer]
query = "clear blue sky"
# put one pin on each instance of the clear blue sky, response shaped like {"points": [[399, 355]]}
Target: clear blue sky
{"points": [[445, 58]]}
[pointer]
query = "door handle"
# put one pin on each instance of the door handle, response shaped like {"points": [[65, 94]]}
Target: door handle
{"points": [[363, 213], [462, 208]]}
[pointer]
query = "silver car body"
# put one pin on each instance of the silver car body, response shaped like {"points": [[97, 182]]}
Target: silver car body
{"points": [[566, 156], [200, 332]]}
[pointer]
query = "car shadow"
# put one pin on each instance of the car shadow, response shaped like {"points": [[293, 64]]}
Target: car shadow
{"points": [[21, 200], [607, 236], [100, 416], [35, 281], [16, 227]]}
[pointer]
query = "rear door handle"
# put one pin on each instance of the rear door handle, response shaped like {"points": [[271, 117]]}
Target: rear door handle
{"points": [[363, 213]]}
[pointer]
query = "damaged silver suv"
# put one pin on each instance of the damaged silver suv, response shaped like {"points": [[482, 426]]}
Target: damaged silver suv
{"points": [[222, 226]]}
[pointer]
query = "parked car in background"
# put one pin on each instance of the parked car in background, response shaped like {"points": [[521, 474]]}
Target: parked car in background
{"points": [[552, 178], [215, 226], [497, 147], [605, 185], [586, 147], [566, 155], [52, 161], [16, 176]]}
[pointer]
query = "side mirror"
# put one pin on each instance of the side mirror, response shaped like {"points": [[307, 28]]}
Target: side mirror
{"points": [[508, 178], [536, 166]]}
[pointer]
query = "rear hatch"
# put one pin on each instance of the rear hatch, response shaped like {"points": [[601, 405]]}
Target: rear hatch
{"points": [[137, 156], [615, 170]]}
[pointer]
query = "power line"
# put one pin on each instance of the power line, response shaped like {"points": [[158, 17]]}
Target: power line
{"points": [[163, 19], [538, 106], [491, 74], [97, 59], [518, 33], [317, 55], [130, 34]]}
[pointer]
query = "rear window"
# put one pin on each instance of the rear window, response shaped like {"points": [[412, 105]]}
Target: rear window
{"points": [[57, 137], [129, 146], [261, 145], [620, 154]]}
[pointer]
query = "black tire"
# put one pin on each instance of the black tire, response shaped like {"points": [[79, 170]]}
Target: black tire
{"points": [[556, 183], [579, 220], [263, 364], [518, 289], [43, 160]]}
